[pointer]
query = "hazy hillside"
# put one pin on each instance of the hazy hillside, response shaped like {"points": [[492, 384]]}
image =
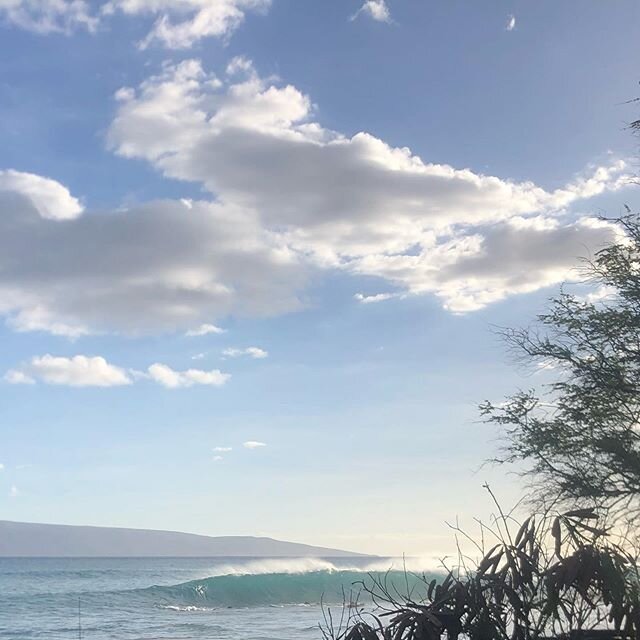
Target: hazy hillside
{"points": [[51, 540]]}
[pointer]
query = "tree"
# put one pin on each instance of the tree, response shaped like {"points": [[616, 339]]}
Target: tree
{"points": [[559, 576], [579, 440]]}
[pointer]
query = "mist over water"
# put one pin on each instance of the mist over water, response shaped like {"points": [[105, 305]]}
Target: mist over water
{"points": [[190, 598]]}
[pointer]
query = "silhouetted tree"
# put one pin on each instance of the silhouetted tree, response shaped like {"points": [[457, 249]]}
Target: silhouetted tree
{"points": [[559, 576], [579, 440]]}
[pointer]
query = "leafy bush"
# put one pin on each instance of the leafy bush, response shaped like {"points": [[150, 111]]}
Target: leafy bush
{"points": [[550, 576]]}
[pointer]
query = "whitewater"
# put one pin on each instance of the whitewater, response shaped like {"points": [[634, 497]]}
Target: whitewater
{"points": [[181, 598]]}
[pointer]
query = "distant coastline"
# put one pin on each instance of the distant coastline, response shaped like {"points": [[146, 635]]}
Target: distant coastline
{"points": [[36, 540]]}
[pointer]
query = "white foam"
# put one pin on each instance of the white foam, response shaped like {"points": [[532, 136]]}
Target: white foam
{"points": [[312, 565], [185, 608]]}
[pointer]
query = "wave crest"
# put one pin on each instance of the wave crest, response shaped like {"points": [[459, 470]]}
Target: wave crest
{"points": [[250, 585]]}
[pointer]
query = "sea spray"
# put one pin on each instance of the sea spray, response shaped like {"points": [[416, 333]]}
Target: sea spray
{"points": [[283, 582], [419, 565]]}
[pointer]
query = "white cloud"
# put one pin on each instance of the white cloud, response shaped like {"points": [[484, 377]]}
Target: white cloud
{"points": [[378, 297], [253, 444], [172, 379], [198, 356], [1, 467], [222, 449], [48, 198], [217, 458], [94, 274], [38, 318], [240, 65], [468, 273], [600, 294], [177, 24], [180, 24], [48, 16], [375, 9], [85, 371], [204, 329], [13, 492], [253, 352], [124, 93], [511, 23], [78, 371], [419, 227], [388, 214], [14, 376]]}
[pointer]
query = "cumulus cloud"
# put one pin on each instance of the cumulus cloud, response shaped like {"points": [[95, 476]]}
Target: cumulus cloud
{"points": [[203, 330], [49, 198], [253, 352], [375, 9], [95, 371], [388, 213], [161, 266], [178, 25], [48, 16], [78, 371], [168, 377], [253, 143], [467, 273], [511, 23], [253, 444], [271, 221]]}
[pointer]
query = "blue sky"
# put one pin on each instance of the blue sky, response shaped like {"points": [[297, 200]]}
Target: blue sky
{"points": [[252, 251]]}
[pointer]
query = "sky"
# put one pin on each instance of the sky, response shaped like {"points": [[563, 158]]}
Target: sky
{"points": [[253, 252]]}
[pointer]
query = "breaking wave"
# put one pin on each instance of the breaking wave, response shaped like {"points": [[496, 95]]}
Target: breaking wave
{"points": [[281, 582]]}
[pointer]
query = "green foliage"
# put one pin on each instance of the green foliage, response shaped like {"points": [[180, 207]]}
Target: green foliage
{"points": [[547, 577], [579, 439]]}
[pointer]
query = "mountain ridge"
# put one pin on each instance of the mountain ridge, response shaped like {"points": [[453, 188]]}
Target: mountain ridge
{"points": [[32, 539]]}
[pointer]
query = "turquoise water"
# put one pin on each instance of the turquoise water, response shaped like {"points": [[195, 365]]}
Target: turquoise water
{"points": [[164, 598]]}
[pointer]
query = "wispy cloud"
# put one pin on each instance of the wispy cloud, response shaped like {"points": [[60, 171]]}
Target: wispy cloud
{"points": [[14, 492], [222, 449], [374, 9], [511, 23], [378, 297], [603, 292], [177, 24], [253, 444], [49, 16], [14, 376], [253, 352], [217, 458], [203, 330]]}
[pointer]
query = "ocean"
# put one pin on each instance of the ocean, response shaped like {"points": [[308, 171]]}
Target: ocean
{"points": [[174, 598]]}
